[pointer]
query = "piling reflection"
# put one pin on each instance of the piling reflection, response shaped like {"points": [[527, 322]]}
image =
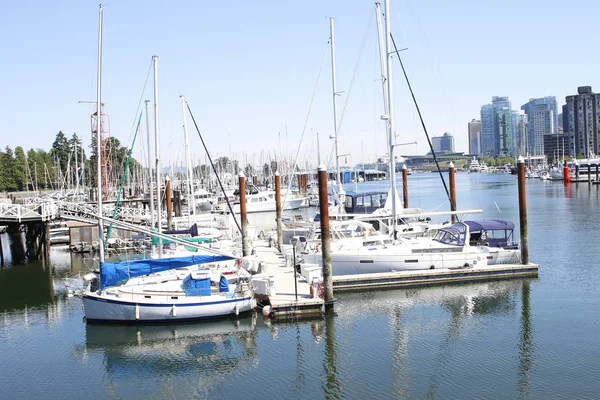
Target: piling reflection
{"points": [[526, 344], [331, 386]]}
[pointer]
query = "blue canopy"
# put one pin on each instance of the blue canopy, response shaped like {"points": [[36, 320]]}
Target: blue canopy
{"points": [[113, 274], [490, 225]]}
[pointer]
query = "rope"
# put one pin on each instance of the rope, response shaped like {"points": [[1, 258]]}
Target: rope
{"points": [[214, 168], [421, 118]]}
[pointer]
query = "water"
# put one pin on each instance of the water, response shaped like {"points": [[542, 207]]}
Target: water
{"points": [[524, 338]]}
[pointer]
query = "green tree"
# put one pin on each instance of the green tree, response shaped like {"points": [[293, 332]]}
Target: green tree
{"points": [[7, 174], [60, 150], [20, 169]]}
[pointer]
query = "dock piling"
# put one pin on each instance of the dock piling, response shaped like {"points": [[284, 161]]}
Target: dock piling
{"points": [[405, 185], [244, 220], [169, 203], [278, 210], [451, 178], [325, 237], [523, 210], [566, 173]]}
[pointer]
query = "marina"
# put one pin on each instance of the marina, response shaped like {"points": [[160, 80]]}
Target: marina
{"points": [[216, 262]]}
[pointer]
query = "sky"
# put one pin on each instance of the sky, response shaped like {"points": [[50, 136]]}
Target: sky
{"points": [[248, 70]]}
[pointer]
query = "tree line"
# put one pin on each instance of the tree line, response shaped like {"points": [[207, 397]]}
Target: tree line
{"points": [[66, 164]]}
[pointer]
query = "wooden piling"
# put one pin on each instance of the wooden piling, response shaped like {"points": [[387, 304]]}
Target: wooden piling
{"points": [[47, 243], [1, 252], [452, 180], [405, 185], [243, 218], [325, 237], [566, 173], [597, 171], [590, 176], [523, 211], [576, 172], [278, 210], [169, 202]]}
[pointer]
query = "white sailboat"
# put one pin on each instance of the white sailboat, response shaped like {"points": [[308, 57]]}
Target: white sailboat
{"points": [[196, 296], [463, 244]]}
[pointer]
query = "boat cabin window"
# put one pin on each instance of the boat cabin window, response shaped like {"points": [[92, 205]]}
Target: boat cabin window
{"points": [[454, 235]]}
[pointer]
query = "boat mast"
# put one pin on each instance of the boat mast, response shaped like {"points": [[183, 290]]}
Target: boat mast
{"points": [[157, 151], [99, 138], [190, 184], [333, 85], [382, 56], [390, 124], [150, 166]]}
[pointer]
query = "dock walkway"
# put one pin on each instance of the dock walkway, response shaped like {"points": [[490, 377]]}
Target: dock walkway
{"points": [[283, 301]]}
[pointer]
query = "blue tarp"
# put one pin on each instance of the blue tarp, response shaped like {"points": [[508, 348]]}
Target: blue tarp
{"points": [[113, 274], [223, 284], [196, 286]]}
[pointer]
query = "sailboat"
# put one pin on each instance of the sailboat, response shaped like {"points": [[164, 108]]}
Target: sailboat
{"points": [[462, 245], [198, 295]]}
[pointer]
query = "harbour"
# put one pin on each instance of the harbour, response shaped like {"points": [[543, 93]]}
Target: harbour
{"points": [[171, 266], [526, 323]]}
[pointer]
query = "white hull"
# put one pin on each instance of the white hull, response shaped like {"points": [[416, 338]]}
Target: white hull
{"points": [[382, 261], [113, 308], [292, 204]]}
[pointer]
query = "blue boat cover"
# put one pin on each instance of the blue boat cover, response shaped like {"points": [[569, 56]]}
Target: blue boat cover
{"points": [[223, 284], [490, 225], [118, 273]]}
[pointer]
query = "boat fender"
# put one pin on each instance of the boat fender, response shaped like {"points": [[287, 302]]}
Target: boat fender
{"points": [[236, 309], [266, 311], [137, 312], [174, 311], [318, 247]]}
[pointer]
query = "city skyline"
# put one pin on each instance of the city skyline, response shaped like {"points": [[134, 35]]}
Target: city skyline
{"points": [[248, 71]]}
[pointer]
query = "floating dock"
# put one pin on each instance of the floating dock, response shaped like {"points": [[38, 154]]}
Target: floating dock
{"points": [[284, 304], [282, 298], [433, 276]]}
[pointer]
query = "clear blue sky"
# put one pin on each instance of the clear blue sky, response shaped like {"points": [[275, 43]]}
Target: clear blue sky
{"points": [[248, 68]]}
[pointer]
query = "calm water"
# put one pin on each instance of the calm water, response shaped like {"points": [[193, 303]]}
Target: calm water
{"points": [[534, 338]]}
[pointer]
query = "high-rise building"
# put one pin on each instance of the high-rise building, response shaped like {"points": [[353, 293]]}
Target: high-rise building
{"points": [[580, 120], [519, 133], [475, 137], [443, 144], [495, 124], [542, 119]]}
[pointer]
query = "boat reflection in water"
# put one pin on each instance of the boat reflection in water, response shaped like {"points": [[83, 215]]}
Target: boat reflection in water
{"points": [[426, 331], [210, 351]]}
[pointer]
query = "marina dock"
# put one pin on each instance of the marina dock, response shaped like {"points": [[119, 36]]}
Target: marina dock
{"points": [[281, 274]]}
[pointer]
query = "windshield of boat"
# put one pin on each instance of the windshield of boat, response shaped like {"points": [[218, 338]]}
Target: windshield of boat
{"points": [[454, 235]]}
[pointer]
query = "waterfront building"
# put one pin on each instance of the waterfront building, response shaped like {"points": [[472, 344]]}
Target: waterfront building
{"points": [[580, 119], [557, 145], [504, 132], [519, 132], [492, 127], [542, 119], [443, 144], [474, 131]]}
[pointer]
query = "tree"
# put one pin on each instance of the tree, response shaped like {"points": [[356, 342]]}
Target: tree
{"points": [[249, 171], [20, 169], [7, 174], [60, 150]]}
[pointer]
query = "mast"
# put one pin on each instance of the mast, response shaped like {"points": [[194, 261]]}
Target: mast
{"points": [[82, 170], [150, 166], [390, 125], [99, 138], [382, 56], [190, 185], [333, 85], [157, 151]]}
